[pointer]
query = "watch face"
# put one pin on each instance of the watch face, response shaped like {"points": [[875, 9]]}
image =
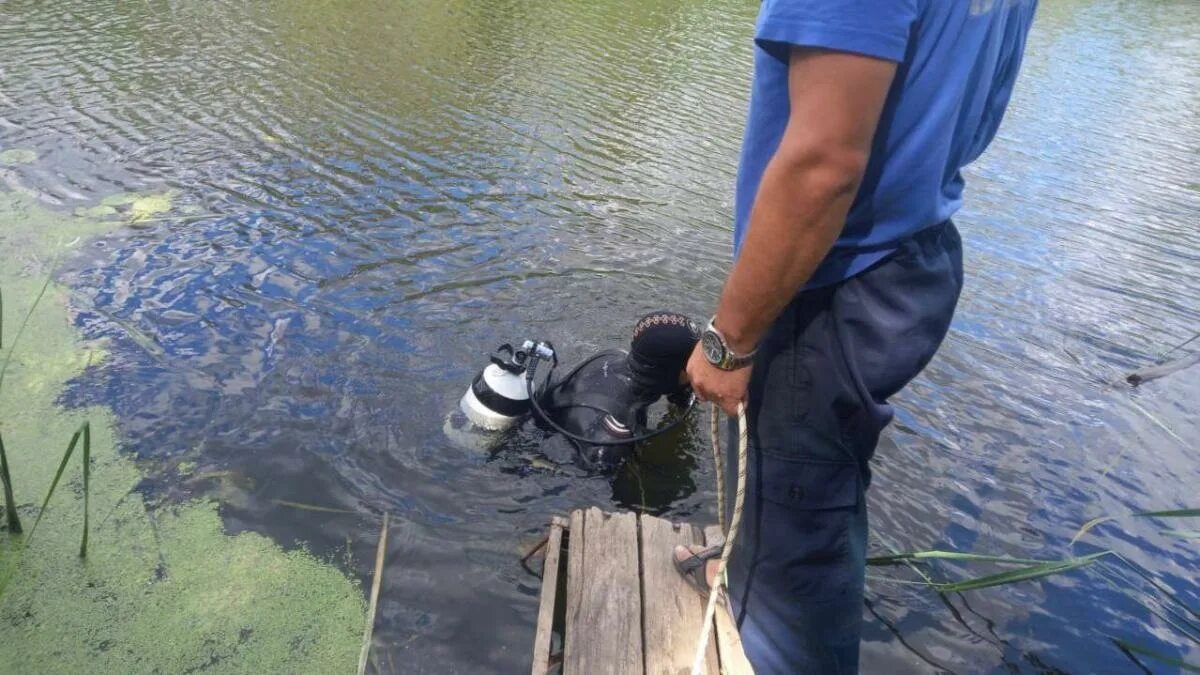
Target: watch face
{"points": [[714, 351]]}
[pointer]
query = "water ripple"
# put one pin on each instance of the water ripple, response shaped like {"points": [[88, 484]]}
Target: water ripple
{"points": [[366, 198]]}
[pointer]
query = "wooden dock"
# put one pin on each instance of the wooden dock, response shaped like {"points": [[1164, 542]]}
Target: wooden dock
{"points": [[612, 601]]}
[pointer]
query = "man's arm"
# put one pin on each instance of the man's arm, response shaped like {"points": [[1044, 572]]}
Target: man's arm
{"points": [[807, 188]]}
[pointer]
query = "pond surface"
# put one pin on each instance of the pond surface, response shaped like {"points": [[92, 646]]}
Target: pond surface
{"points": [[357, 201]]}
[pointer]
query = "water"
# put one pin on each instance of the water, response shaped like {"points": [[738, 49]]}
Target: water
{"points": [[367, 197]]}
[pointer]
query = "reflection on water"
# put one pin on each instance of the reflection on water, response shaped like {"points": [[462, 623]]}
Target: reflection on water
{"points": [[366, 197]]}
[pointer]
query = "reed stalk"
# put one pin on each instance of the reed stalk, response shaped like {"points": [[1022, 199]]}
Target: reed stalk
{"points": [[1129, 647], [10, 503], [12, 347], [376, 583], [85, 432], [1161, 601]]}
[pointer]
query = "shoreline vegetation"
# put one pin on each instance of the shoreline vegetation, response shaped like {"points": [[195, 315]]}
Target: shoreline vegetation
{"points": [[160, 589]]}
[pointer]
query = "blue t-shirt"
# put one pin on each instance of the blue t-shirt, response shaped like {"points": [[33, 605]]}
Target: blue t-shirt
{"points": [[957, 61]]}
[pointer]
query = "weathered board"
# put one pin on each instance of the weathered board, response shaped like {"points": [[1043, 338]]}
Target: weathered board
{"points": [[573, 630], [626, 608], [604, 632], [674, 610], [545, 624]]}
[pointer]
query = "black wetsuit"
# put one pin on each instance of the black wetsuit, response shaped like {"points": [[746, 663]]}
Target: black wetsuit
{"points": [[598, 399], [606, 396]]}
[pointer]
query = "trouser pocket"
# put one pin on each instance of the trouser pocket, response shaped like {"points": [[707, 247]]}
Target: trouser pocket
{"points": [[838, 353], [805, 527], [796, 583]]}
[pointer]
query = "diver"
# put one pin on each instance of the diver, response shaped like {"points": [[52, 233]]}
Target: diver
{"points": [[597, 411], [600, 406]]}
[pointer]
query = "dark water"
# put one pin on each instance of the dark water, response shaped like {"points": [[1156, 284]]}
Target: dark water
{"points": [[368, 196]]}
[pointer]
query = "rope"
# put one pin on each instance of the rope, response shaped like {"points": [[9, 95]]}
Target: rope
{"points": [[714, 430], [730, 534]]}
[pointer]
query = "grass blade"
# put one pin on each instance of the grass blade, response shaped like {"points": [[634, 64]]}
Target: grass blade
{"points": [[1163, 356], [10, 504], [952, 555], [1156, 655], [1031, 569], [21, 329], [1182, 534], [311, 507], [376, 582], [1150, 373], [903, 582], [54, 484], [87, 472], [1088, 526], [1176, 513], [1159, 422], [1166, 592], [1024, 574], [1173, 513], [1115, 579]]}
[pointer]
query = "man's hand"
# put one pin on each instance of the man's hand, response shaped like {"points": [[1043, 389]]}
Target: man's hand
{"points": [[726, 388]]}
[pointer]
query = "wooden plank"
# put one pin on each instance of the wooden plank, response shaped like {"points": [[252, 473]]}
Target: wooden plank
{"points": [[574, 633], [729, 643], [673, 611], [545, 622], [606, 633]]}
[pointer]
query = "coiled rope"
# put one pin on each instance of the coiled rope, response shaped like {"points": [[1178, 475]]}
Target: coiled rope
{"points": [[734, 522]]}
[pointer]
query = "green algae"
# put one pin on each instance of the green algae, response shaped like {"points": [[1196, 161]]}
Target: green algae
{"points": [[119, 199], [135, 207], [148, 206], [97, 212], [163, 590], [17, 156]]}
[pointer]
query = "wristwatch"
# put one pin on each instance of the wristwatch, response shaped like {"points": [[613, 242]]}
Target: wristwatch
{"points": [[717, 351]]}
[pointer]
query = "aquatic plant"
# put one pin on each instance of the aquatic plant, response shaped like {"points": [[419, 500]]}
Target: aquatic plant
{"points": [[376, 583], [20, 330], [1160, 601], [85, 432], [10, 503], [1027, 570], [17, 156], [1162, 367]]}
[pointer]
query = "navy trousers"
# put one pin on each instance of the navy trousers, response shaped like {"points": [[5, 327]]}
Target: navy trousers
{"points": [[818, 400]]}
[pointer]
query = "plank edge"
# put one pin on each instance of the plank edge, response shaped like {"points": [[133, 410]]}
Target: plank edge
{"points": [[545, 621]]}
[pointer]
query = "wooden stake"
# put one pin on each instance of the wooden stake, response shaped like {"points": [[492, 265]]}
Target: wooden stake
{"points": [[376, 582]]}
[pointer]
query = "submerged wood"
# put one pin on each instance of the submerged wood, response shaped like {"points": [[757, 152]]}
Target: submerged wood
{"points": [[1154, 372], [545, 624], [376, 582]]}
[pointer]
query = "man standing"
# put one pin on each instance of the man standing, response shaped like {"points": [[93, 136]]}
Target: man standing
{"points": [[847, 272]]}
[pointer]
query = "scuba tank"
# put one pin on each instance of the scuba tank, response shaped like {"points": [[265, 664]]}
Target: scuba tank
{"points": [[498, 397]]}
